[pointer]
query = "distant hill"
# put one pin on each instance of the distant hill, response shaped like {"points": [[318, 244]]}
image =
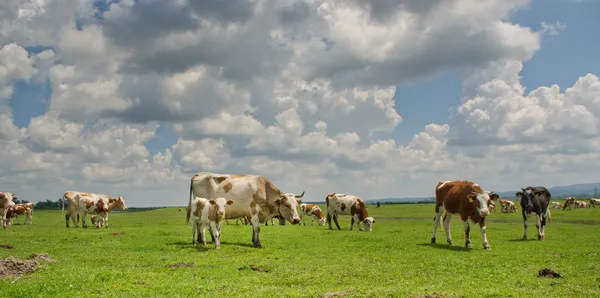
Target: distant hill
{"points": [[558, 192]]}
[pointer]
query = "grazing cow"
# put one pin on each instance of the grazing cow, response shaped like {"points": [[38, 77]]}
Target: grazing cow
{"points": [[314, 211], [253, 195], [6, 202], [556, 205], [20, 209], [344, 204], [594, 202], [582, 204], [508, 206], [209, 213], [535, 199], [570, 202], [466, 199]]}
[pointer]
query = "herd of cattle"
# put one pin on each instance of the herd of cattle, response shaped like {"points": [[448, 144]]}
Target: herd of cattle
{"points": [[214, 198]]}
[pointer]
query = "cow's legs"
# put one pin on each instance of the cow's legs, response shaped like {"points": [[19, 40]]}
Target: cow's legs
{"points": [[213, 227], [447, 219], [255, 230], [436, 222], [335, 219], [4, 217], [106, 221], [543, 227], [467, 230], [352, 223], [329, 220], [67, 217], [194, 228], [486, 244], [203, 234], [83, 223], [524, 224], [538, 225]]}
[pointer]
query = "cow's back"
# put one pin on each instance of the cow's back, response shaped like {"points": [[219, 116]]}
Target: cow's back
{"points": [[341, 203], [451, 194]]}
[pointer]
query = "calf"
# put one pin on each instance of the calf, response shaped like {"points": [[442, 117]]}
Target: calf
{"points": [[466, 199], [112, 203], [209, 213], [594, 202], [343, 204], [20, 209], [556, 205], [6, 203], [535, 199], [314, 211]]}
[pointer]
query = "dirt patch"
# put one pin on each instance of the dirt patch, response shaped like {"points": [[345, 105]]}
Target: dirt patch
{"points": [[182, 265], [546, 272], [117, 233], [254, 268], [336, 294], [9, 246], [12, 266]]}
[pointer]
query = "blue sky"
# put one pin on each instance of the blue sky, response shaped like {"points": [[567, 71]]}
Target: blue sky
{"points": [[254, 90]]}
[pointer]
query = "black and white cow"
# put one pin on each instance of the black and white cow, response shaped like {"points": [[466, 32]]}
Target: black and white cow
{"points": [[535, 199]]}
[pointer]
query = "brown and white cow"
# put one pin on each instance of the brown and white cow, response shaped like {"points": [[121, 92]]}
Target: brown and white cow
{"points": [[314, 211], [570, 202], [208, 213], [100, 206], [252, 195], [20, 209], [466, 199], [6, 202], [556, 205], [582, 204], [72, 198], [344, 204], [594, 202]]}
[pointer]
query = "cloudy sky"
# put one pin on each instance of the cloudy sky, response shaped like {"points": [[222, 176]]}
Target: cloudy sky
{"points": [[377, 98]]}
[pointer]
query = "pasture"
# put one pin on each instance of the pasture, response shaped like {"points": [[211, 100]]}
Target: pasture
{"points": [[151, 255]]}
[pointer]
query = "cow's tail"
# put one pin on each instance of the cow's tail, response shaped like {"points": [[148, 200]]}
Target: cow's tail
{"points": [[189, 208], [548, 215], [63, 205]]}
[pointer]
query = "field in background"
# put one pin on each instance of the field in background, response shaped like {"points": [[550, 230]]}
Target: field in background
{"points": [[153, 257]]}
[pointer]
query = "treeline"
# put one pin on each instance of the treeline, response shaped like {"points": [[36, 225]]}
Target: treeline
{"points": [[49, 204]]}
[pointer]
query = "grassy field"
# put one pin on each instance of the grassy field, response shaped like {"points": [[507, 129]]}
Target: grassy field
{"points": [[153, 257]]}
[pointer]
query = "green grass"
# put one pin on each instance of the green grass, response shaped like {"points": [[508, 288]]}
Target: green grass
{"points": [[395, 259]]}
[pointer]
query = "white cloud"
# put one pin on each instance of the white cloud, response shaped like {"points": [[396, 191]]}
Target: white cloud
{"points": [[295, 90]]}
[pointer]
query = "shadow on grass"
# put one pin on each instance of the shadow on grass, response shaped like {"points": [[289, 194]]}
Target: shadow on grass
{"points": [[522, 240], [446, 246], [187, 245]]}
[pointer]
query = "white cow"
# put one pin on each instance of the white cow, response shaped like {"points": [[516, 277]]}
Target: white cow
{"points": [[209, 213], [594, 202], [314, 211], [6, 202], [253, 195], [343, 204], [556, 205]]}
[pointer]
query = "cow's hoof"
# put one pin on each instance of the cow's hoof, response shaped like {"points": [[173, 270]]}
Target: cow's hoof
{"points": [[257, 245], [450, 242], [487, 247], [432, 240], [524, 237], [540, 237]]}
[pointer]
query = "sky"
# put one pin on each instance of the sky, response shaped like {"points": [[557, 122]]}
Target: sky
{"points": [[376, 98]]}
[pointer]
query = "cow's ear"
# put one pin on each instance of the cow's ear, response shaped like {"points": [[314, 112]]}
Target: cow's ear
{"points": [[229, 202], [212, 202], [299, 201], [518, 195], [494, 196], [471, 197], [537, 194], [278, 201]]}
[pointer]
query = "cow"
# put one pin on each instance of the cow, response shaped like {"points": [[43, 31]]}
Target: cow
{"points": [[345, 204], [535, 199], [314, 211], [6, 202], [72, 198], [556, 205], [570, 202], [100, 206], [253, 195], [466, 199], [209, 213], [20, 209], [507, 206], [582, 204], [594, 202]]}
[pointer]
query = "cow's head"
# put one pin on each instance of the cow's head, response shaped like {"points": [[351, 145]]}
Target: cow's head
{"points": [[526, 196], [369, 221], [320, 216], [118, 203], [288, 207], [219, 207], [479, 201]]}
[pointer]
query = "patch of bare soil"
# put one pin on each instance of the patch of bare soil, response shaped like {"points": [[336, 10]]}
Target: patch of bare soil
{"points": [[12, 266], [336, 294], [118, 233], [547, 272], [9, 246], [182, 265], [254, 268]]}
